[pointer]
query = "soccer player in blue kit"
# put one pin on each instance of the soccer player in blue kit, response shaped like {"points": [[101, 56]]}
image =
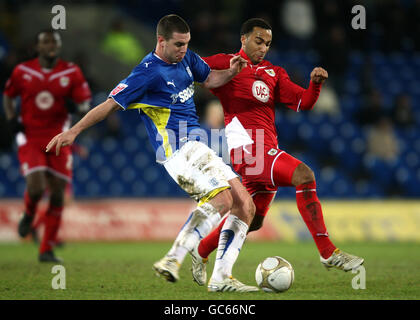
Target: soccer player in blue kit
{"points": [[161, 88]]}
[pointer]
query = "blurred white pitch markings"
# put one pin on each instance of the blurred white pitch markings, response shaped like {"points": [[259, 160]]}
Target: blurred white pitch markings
{"points": [[59, 20]]}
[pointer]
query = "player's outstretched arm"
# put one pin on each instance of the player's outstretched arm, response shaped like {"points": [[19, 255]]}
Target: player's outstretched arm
{"points": [[218, 78], [310, 95], [99, 113]]}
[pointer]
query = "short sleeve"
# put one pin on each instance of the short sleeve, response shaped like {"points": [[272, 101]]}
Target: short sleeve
{"points": [[12, 87], [80, 89], [132, 88], [199, 68]]}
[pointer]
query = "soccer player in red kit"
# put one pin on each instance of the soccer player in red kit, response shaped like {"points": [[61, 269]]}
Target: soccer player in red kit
{"points": [[44, 84], [249, 107]]}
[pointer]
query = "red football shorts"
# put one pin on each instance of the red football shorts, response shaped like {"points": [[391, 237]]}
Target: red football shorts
{"points": [[32, 157], [263, 171]]}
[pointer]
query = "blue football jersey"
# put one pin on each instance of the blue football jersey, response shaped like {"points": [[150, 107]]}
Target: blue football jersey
{"points": [[163, 94]]}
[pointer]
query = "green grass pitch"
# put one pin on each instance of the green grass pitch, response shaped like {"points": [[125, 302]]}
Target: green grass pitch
{"points": [[124, 271]]}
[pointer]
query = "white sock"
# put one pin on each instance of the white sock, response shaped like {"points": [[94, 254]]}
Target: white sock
{"points": [[200, 222], [232, 237]]}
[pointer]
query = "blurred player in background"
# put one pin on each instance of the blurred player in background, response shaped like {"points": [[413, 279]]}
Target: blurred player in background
{"points": [[44, 84], [41, 215], [161, 88], [249, 105]]}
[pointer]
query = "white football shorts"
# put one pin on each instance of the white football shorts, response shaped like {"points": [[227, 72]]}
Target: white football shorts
{"points": [[198, 170]]}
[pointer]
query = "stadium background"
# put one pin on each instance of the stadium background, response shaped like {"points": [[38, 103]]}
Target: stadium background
{"points": [[371, 100]]}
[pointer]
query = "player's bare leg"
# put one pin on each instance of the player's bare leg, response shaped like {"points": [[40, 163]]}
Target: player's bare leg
{"points": [[310, 209], [52, 218], [232, 237], [198, 225], [36, 183]]}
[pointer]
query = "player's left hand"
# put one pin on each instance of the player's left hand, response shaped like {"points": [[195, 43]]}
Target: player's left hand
{"points": [[237, 63], [319, 75]]}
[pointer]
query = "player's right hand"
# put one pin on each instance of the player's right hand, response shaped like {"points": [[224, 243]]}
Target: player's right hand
{"points": [[61, 140]]}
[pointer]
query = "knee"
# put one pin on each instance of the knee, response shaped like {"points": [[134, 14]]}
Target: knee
{"points": [[35, 192], [309, 176], [223, 202], [303, 174]]}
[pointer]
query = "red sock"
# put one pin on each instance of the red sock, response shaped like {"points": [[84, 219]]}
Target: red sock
{"points": [[209, 243], [30, 205], [52, 224], [39, 219], [311, 212]]}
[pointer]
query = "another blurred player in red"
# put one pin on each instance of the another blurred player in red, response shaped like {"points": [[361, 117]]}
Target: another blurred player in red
{"points": [[41, 215], [249, 106], [44, 84]]}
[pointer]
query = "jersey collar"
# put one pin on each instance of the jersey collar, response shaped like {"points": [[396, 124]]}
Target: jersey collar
{"points": [[160, 59], [38, 65]]}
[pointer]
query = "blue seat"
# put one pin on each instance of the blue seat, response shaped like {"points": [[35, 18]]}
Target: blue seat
{"points": [[352, 87], [128, 175], [378, 58], [349, 103], [109, 145], [385, 73], [343, 187], [286, 193], [92, 189], [142, 160], [397, 59], [117, 189], [105, 174], [119, 159], [414, 87], [82, 175], [356, 58], [369, 189], [306, 131]]}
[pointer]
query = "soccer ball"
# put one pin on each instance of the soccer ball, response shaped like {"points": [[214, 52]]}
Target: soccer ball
{"points": [[274, 274]]}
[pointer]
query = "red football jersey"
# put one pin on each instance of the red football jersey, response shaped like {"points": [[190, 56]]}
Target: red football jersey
{"points": [[43, 94], [251, 95]]}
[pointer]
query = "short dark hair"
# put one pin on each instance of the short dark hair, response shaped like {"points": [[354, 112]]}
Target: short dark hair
{"points": [[47, 30], [170, 24], [249, 25]]}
